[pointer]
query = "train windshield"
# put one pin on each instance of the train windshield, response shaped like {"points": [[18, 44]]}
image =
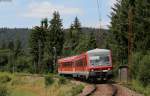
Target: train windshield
{"points": [[102, 60]]}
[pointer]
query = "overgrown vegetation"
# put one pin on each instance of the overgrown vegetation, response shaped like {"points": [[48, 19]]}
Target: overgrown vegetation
{"points": [[138, 86], [4, 90], [62, 80], [131, 15], [48, 80], [31, 85]]}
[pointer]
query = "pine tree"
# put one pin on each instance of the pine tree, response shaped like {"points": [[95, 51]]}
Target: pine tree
{"points": [[84, 44], [92, 41], [76, 33], [142, 22], [37, 45], [118, 37], [55, 38], [56, 35], [34, 47]]}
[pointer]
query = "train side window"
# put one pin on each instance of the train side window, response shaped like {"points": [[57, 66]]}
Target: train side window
{"points": [[79, 63], [67, 64]]}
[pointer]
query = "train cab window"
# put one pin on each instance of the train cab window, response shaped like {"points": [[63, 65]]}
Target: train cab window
{"points": [[99, 60]]}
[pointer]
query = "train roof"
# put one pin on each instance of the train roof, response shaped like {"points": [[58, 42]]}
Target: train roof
{"points": [[67, 59], [98, 50]]}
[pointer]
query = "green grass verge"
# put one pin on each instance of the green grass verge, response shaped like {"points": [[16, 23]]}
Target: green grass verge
{"points": [[34, 85], [138, 87]]}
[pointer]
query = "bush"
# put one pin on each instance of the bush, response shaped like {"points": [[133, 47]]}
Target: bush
{"points": [[140, 67], [137, 86], [137, 57], [5, 79], [3, 90], [144, 71], [62, 80], [23, 64], [49, 80]]}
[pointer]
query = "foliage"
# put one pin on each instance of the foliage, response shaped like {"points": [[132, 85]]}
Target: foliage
{"points": [[55, 34], [83, 46], [5, 79], [48, 80], [4, 90], [119, 36], [62, 80], [77, 89], [43, 39], [23, 64], [76, 41], [137, 86], [144, 71], [141, 25]]}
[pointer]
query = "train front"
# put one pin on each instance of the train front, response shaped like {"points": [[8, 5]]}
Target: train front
{"points": [[100, 64]]}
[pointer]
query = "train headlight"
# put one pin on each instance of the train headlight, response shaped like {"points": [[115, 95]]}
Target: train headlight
{"points": [[92, 70], [105, 70]]}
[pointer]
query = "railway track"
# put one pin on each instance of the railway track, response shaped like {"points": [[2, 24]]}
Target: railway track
{"points": [[105, 89]]}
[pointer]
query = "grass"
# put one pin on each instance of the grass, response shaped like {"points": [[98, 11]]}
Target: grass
{"points": [[20, 92], [137, 86], [32, 85]]}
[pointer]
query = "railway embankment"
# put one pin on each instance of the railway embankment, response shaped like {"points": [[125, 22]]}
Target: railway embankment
{"points": [[107, 89]]}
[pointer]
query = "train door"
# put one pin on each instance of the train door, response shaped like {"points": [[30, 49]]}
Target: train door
{"points": [[73, 66], [84, 63]]}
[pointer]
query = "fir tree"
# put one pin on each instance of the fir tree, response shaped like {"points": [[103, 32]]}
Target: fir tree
{"points": [[56, 35], [92, 41], [141, 25], [55, 39], [118, 37], [76, 33]]}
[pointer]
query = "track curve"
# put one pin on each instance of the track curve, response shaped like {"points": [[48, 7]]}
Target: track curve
{"points": [[105, 90]]}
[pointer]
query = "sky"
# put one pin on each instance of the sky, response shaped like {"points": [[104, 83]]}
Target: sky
{"points": [[29, 13]]}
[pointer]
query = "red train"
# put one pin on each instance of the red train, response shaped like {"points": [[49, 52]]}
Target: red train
{"points": [[95, 63]]}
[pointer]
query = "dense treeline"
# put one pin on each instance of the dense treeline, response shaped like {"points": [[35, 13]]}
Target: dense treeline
{"points": [[46, 43], [123, 11]]}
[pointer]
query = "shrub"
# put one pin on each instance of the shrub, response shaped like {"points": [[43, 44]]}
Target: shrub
{"points": [[62, 80], [4, 90], [49, 80], [144, 71], [5, 79], [137, 86], [140, 67]]}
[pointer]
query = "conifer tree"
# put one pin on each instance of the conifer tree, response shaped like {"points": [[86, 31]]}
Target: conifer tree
{"points": [[55, 39], [92, 41], [141, 25], [118, 37], [56, 35], [76, 33]]}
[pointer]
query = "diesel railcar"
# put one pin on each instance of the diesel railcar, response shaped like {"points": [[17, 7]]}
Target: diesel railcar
{"points": [[96, 63]]}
